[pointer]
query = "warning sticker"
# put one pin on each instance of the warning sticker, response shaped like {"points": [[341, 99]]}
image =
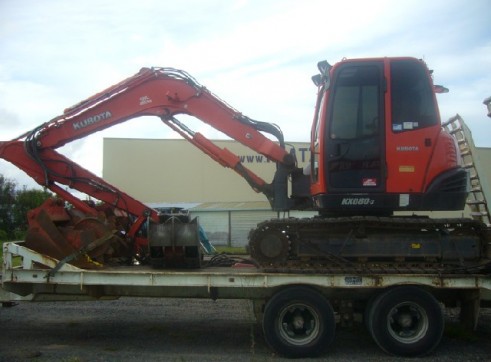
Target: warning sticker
{"points": [[403, 200], [406, 168], [369, 182]]}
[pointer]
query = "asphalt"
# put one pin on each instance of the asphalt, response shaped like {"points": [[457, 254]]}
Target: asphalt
{"points": [[144, 329]]}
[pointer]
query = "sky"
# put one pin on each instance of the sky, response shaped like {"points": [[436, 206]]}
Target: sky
{"points": [[257, 55]]}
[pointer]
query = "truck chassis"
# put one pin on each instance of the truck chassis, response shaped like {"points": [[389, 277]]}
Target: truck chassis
{"points": [[299, 312]]}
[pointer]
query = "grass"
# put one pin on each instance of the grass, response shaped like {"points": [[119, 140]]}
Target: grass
{"points": [[231, 250]]}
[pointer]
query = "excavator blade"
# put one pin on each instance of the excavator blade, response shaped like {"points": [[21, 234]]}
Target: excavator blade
{"points": [[175, 243]]}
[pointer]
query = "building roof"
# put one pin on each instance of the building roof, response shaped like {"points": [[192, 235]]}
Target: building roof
{"points": [[233, 206], [215, 206]]}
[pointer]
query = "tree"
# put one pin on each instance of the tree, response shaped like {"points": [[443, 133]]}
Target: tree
{"points": [[7, 201], [14, 205], [26, 200]]}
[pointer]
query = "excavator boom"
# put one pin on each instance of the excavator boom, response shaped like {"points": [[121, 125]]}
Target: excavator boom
{"points": [[161, 92]]}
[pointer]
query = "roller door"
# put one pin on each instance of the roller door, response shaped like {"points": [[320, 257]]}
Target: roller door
{"points": [[243, 221], [215, 224]]}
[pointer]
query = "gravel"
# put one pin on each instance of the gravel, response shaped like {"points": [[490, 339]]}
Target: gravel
{"points": [[145, 329]]}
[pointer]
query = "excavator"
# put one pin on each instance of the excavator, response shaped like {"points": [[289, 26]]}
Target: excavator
{"points": [[377, 148]]}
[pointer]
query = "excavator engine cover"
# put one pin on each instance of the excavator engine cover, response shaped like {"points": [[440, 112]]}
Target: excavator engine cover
{"points": [[174, 242]]}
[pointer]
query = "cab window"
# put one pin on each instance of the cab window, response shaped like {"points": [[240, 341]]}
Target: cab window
{"points": [[413, 101], [356, 103]]}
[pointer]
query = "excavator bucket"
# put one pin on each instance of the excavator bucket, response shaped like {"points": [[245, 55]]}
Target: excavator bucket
{"points": [[174, 242], [46, 238], [86, 242]]}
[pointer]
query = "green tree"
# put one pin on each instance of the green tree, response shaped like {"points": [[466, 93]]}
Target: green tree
{"points": [[26, 200], [14, 205], [3, 236], [7, 202]]}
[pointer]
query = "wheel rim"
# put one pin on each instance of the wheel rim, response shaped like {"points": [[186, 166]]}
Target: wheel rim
{"points": [[407, 322], [298, 324]]}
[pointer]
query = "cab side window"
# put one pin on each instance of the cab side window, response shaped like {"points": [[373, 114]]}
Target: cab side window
{"points": [[413, 104]]}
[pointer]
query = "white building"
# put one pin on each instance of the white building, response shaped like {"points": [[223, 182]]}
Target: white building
{"points": [[173, 172]]}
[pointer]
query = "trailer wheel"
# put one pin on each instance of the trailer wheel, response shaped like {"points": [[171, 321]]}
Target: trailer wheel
{"points": [[406, 321], [367, 312], [299, 322]]}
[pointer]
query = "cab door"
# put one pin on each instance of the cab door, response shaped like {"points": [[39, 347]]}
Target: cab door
{"points": [[355, 136]]}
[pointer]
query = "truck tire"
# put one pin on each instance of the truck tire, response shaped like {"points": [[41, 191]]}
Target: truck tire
{"points": [[299, 322], [406, 321], [367, 312]]}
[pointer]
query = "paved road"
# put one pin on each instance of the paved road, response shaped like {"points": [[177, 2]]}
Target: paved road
{"points": [[138, 329]]}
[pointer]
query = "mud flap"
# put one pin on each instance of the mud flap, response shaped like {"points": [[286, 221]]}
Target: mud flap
{"points": [[174, 243]]}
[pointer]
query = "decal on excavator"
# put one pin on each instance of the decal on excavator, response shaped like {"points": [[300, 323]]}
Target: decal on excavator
{"points": [[145, 100], [91, 120], [357, 201], [407, 148]]}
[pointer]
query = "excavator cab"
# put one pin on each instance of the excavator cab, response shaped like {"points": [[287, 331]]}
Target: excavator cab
{"points": [[377, 142]]}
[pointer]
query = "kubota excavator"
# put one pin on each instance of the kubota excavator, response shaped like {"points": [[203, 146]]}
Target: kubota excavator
{"points": [[377, 147]]}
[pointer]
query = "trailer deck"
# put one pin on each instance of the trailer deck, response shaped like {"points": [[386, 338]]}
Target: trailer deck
{"points": [[33, 279], [299, 312]]}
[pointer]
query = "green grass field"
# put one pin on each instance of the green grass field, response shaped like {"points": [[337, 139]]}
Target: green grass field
{"points": [[232, 250]]}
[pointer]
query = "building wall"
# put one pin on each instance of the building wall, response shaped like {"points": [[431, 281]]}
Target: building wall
{"points": [[484, 164], [176, 171]]}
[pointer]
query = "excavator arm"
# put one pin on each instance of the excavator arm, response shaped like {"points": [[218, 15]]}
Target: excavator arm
{"points": [[161, 92]]}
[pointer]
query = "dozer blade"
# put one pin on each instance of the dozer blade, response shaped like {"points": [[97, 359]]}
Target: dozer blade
{"points": [[175, 243]]}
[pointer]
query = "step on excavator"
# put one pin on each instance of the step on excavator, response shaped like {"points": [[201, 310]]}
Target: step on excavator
{"points": [[377, 148]]}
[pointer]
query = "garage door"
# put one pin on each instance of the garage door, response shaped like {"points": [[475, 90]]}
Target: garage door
{"points": [[215, 224], [243, 221]]}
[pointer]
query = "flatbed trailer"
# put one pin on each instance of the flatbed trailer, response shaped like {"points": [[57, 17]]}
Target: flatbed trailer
{"points": [[298, 311]]}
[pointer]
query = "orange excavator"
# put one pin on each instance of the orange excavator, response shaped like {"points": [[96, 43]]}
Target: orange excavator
{"points": [[377, 147]]}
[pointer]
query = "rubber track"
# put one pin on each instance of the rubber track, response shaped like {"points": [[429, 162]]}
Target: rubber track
{"points": [[332, 264]]}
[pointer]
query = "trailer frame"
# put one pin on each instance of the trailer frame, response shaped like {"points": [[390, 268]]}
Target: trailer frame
{"points": [[30, 276]]}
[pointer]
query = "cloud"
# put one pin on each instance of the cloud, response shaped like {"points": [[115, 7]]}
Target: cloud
{"points": [[256, 55]]}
